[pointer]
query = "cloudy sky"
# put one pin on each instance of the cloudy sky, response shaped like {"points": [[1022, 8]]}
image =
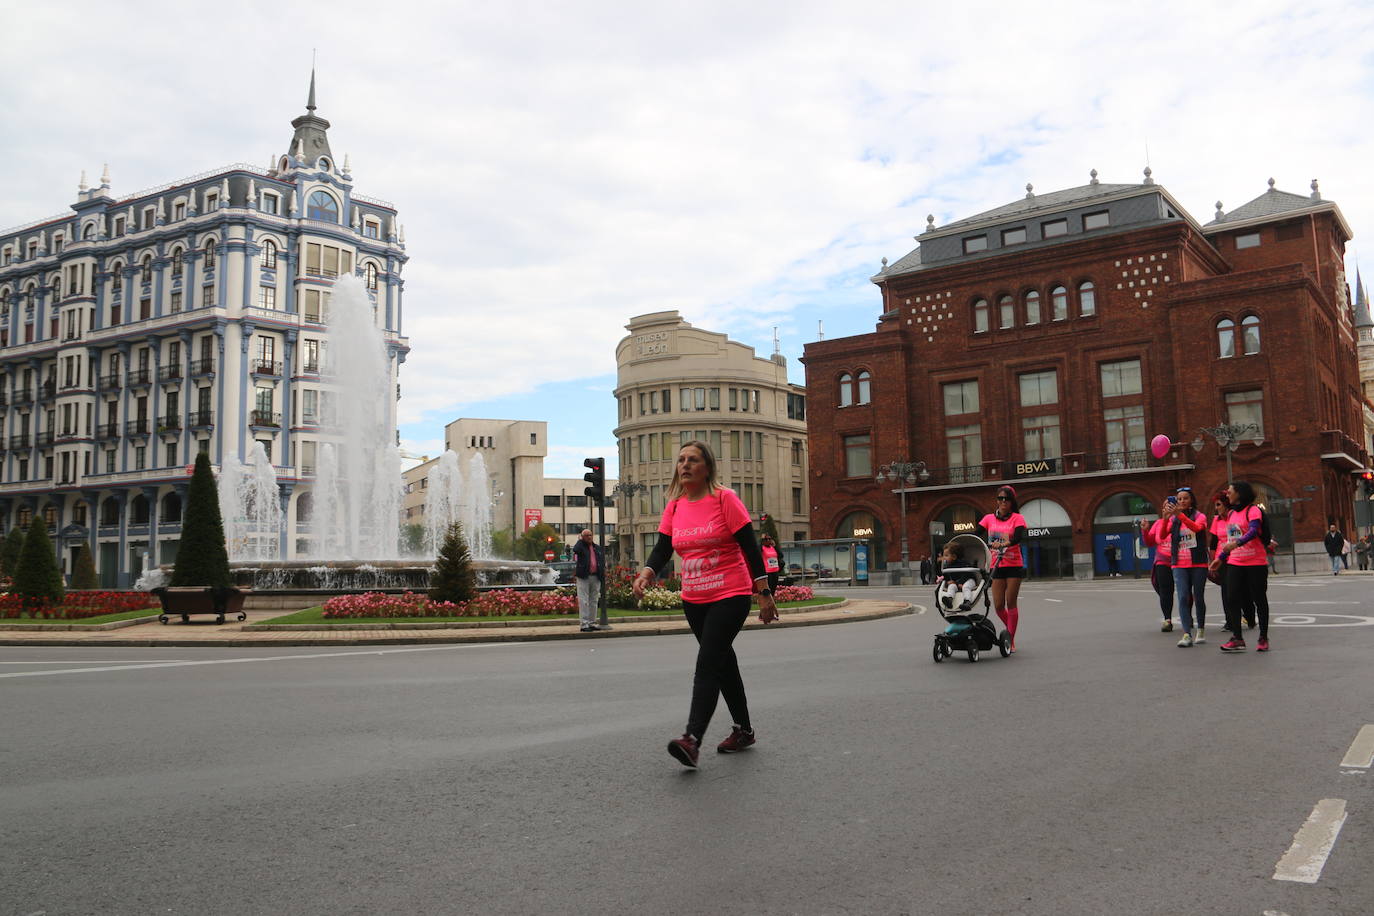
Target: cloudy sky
{"points": [[561, 167]]}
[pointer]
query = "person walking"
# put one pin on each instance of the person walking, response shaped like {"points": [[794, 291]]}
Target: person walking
{"points": [[722, 566], [590, 571], [1113, 554], [1188, 558], [1334, 542], [926, 573], [1244, 556], [1156, 534], [1221, 512], [771, 564], [1362, 552], [1004, 529]]}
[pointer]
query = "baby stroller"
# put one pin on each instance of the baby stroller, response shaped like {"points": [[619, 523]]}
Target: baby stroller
{"points": [[966, 628]]}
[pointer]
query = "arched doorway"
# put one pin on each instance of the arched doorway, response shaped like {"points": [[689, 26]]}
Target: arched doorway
{"points": [[1049, 540], [1117, 524], [853, 559]]}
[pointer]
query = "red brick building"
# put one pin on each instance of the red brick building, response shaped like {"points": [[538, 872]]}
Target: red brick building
{"points": [[1046, 342]]}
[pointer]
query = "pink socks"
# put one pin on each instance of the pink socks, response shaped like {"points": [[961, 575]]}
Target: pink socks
{"points": [[1003, 616], [1013, 615]]}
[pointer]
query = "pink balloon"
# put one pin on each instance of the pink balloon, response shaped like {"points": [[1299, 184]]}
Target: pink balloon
{"points": [[1159, 446]]}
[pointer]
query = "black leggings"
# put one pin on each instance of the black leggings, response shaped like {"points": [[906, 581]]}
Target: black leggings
{"points": [[1162, 578], [1248, 586], [715, 626]]}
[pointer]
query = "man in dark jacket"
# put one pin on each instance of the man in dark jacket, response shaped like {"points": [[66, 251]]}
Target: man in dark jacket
{"points": [[1334, 541], [591, 574]]}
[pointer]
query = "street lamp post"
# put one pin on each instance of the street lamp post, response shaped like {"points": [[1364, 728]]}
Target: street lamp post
{"points": [[627, 489], [903, 472], [1228, 437]]}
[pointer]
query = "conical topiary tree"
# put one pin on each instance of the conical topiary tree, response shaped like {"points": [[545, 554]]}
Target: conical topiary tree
{"points": [[770, 528], [202, 558], [10, 552], [83, 569], [38, 580], [453, 579]]}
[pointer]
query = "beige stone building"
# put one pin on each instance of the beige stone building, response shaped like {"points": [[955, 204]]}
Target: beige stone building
{"points": [[676, 383], [566, 509]]}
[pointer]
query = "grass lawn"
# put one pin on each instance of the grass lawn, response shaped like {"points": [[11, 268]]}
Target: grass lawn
{"points": [[88, 621], [315, 615]]}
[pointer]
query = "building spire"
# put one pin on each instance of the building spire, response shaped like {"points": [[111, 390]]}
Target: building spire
{"points": [[310, 102], [311, 132]]}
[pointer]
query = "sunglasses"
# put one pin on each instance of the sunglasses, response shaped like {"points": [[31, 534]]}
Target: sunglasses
{"points": [[1185, 489], [1004, 499]]}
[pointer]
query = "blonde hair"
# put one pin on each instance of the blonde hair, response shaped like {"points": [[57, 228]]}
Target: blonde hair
{"points": [[675, 488]]}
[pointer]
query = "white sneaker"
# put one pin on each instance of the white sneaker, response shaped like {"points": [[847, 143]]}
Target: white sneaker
{"points": [[1166, 626], [1186, 641], [1201, 637]]}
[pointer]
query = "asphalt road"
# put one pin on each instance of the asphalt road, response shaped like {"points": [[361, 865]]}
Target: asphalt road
{"points": [[1099, 770]]}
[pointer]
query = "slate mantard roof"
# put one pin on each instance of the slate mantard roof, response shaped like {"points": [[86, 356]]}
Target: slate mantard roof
{"points": [[1274, 203]]}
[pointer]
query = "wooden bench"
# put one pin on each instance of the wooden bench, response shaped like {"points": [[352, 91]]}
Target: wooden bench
{"points": [[185, 601]]}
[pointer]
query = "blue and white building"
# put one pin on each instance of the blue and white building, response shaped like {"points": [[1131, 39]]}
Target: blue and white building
{"points": [[137, 331]]}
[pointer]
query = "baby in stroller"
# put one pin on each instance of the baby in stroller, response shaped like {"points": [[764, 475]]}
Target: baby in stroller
{"points": [[958, 582]]}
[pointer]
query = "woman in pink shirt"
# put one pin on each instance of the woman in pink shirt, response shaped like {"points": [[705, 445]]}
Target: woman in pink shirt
{"points": [[1245, 559], [1156, 534], [1004, 529], [722, 567], [1188, 556]]}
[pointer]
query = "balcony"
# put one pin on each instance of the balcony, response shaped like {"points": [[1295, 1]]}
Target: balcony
{"points": [[1117, 461], [310, 367], [108, 430], [111, 382], [1342, 451], [23, 395], [266, 367], [139, 378], [169, 426], [172, 373], [43, 439], [202, 418], [321, 272], [310, 419], [201, 367], [137, 427], [307, 470], [19, 441], [265, 418], [4, 399], [48, 389]]}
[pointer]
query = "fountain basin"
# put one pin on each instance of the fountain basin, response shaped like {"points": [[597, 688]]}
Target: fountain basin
{"points": [[343, 576]]}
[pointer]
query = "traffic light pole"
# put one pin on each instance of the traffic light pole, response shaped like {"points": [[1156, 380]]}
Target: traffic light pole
{"points": [[596, 493], [601, 530]]}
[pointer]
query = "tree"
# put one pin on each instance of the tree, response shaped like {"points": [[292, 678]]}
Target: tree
{"points": [[83, 569], [9, 554], [770, 527], [38, 580], [537, 539], [503, 543], [412, 540], [202, 558], [453, 579]]}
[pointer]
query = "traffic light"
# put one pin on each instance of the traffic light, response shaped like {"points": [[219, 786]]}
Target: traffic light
{"points": [[596, 478], [1368, 484]]}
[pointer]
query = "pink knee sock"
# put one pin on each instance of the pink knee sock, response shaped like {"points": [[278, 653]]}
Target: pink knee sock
{"points": [[1013, 615], [1003, 616]]}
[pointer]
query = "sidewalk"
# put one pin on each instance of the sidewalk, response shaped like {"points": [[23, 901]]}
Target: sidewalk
{"points": [[203, 631]]}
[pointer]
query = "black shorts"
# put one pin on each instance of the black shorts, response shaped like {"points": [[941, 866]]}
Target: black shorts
{"points": [[1009, 572]]}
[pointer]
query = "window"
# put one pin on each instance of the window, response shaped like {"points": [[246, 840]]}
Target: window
{"points": [[117, 280], [1121, 378], [267, 297], [796, 501], [1006, 310], [372, 229], [322, 206], [796, 407], [964, 449], [310, 407], [960, 398], [1051, 228], [1246, 407], [269, 255], [327, 261], [271, 203], [1226, 338], [846, 390], [177, 265], [1125, 435], [118, 226], [714, 399], [310, 354], [1250, 334], [171, 459], [796, 453], [857, 459], [1248, 240], [371, 279], [210, 255], [211, 201], [140, 459], [1040, 436], [176, 303], [1032, 307], [146, 271], [980, 316], [149, 217], [316, 305], [1015, 236], [1087, 298], [1097, 220], [1040, 388], [179, 210], [976, 243], [865, 387], [207, 297]]}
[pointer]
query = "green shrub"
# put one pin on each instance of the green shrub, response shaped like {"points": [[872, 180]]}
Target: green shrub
{"points": [[83, 569], [38, 580], [453, 579], [202, 558], [9, 554]]}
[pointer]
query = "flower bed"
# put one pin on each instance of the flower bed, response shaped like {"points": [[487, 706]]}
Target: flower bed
{"points": [[498, 603], [77, 605], [786, 593]]}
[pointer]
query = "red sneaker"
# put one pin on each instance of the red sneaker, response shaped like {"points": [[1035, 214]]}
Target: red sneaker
{"points": [[1263, 644], [1234, 644], [739, 739], [685, 749]]}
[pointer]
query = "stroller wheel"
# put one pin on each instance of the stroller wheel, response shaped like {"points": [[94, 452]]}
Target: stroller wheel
{"points": [[1004, 643], [940, 649], [972, 650]]}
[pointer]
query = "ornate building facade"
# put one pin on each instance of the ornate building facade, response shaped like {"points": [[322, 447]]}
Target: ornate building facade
{"points": [[137, 331]]}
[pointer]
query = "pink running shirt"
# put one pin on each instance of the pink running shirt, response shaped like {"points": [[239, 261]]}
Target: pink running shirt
{"points": [[995, 526], [1158, 538], [1252, 552], [703, 534], [770, 560]]}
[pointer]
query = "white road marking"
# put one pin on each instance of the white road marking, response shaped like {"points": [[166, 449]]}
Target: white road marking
{"points": [[1305, 859], [266, 658], [1311, 620], [88, 661], [1054, 600], [1361, 753]]}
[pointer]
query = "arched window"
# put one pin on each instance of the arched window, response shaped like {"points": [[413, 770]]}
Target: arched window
{"points": [[846, 390], [176, 262], [109, 511], [50, 516], [88, 233], [1087, 298], [371, 274], [1226, 338], [171, 509], [865, 387], [138, 510], [322, 206], [1006, 310], [304, 508], [210, 254], [117, 281], [147, 275], [980, 316], [56, 288], [269, 255], [1059, 303], [1032, 307], [324, 163], [1250, 335], [25, 517]]}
